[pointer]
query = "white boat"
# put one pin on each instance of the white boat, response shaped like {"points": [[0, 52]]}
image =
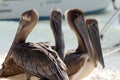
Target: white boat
{"points": [[12, 9]]}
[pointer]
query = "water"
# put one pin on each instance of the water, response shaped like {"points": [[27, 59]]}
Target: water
{"points": [[42, 33]]}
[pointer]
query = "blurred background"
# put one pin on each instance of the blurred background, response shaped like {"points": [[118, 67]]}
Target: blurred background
{"points": [[103, 10]]}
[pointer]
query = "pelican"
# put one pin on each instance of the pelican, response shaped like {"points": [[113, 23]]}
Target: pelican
{"points": [[84, 59], [35, 59]]}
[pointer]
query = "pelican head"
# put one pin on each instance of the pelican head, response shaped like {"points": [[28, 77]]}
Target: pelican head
{"points": [[75, 19], [93, 30], [27, 22]]}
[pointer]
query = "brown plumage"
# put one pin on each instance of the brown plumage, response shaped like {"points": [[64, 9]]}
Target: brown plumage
{"points": [[35, 59]]}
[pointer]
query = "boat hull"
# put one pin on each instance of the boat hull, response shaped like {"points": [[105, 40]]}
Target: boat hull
{"points": [[11, 10]]}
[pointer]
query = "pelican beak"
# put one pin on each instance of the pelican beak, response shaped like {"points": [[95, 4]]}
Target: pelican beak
{"points": [[55, 22], [92, 26], [56, 26], [82, 31]]}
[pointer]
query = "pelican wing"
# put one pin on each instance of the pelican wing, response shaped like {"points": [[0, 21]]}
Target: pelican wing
{"points": [[39, 61], [92, 27]]}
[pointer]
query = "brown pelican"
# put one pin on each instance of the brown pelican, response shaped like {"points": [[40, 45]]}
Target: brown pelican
{"points": [[35, 59], [78, 62], [85, 58]]}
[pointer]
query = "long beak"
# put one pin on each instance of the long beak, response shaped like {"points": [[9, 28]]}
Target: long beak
{"points": [[82, 31], [56, 26], [92, 26]]}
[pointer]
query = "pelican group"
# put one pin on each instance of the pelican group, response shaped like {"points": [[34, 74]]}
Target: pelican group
{"points": [[35, 59], [51, 62]]}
